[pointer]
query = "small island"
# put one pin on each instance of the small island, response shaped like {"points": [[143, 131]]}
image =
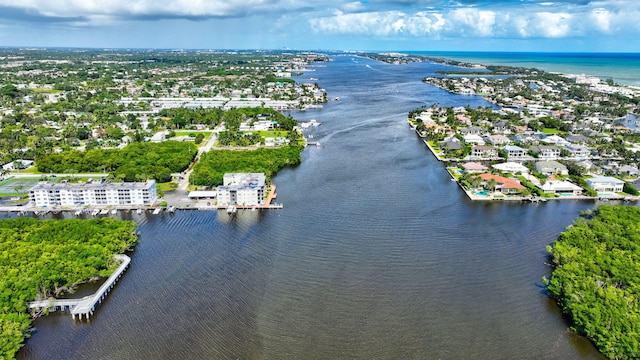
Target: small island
{"points": [[596, 278]]}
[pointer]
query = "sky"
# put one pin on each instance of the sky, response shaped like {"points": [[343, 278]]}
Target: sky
{"points": [[366, 25]]}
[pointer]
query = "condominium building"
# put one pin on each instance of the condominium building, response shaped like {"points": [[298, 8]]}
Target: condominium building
{"points": [[93, 193], [245, 189]]}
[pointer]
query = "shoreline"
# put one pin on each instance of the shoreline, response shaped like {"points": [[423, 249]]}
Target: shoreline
{"points": [[502, 197]]}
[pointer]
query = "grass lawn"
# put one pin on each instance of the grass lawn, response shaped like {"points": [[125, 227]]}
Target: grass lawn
{"points": [[273, 134], [455, 172], [44, 91], [551, 131], [193, 133], [30, 170], [168, 186]]}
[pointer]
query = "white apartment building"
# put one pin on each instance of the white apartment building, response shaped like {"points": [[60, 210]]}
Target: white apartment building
{"points": [[245, 189], [94, 193]]}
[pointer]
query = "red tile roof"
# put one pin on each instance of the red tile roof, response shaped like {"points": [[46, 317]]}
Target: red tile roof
{"points": [[505, 182]]}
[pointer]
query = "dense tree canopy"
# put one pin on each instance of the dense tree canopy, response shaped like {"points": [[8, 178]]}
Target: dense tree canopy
{"points": [[182, 117], [42, 258], [135, 162], [213, 165], [596, 280]]}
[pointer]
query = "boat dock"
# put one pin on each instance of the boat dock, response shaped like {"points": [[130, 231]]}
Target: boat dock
{"points": [[85, 306]]}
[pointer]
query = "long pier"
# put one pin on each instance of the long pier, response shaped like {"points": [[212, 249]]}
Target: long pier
{"points": [[85, 306]]}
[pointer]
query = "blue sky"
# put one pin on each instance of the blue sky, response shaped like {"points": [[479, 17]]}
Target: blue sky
{"points": [[428, 25]]}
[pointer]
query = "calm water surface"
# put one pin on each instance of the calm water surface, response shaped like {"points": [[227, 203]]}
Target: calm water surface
{"points": [[376, 255], [623, 68]]}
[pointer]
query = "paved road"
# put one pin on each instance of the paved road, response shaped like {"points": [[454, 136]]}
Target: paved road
{"points": [[184, 182]]}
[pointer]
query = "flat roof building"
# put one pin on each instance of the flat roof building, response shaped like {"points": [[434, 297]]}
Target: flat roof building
{"points": [[244, 189], [93, 193]]}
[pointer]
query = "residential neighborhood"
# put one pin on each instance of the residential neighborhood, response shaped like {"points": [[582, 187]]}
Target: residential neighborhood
{"points": [[64, 113], [555, 136]]}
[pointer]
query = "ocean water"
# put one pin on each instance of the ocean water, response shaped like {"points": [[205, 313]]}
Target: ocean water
{"points": [[623, 68]]}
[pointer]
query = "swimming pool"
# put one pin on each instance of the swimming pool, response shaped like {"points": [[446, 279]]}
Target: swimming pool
{"points": [[482, 193]]}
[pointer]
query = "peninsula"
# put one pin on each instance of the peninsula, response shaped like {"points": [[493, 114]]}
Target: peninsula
{"points": [[548, 136]]}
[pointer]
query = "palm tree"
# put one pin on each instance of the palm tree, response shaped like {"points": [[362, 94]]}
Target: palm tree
{"points": [[475, 181], [492, 183]]}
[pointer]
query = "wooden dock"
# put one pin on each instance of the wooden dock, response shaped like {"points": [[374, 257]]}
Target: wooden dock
{"points": [[85, 306]]}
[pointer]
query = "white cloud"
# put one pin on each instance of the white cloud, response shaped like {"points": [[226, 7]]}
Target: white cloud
{"points": [[387, 23], [601, 19], [566, 19], [393, 18], [150, 9], [473, 21], [353, 6], [552, 25]]}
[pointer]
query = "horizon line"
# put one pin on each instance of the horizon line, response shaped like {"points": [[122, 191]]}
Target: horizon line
{"points": [[34, 48]]}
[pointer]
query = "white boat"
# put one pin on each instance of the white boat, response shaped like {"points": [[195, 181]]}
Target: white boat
{"points": [[104, 211], [231, 209], [139, 211], [157, 211], [78, 212], [114, 211], [95, 212]]}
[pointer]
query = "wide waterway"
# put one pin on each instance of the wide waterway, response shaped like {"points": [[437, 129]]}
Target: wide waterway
{"points": [[376, 255]]}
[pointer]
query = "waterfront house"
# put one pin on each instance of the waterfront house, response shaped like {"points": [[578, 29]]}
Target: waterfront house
{"points": [[605, 184], [546, 152], [515, 152], [451, 144], [434, 128], [561, 187], [483, 152], [551, 167], [503, 184]]}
